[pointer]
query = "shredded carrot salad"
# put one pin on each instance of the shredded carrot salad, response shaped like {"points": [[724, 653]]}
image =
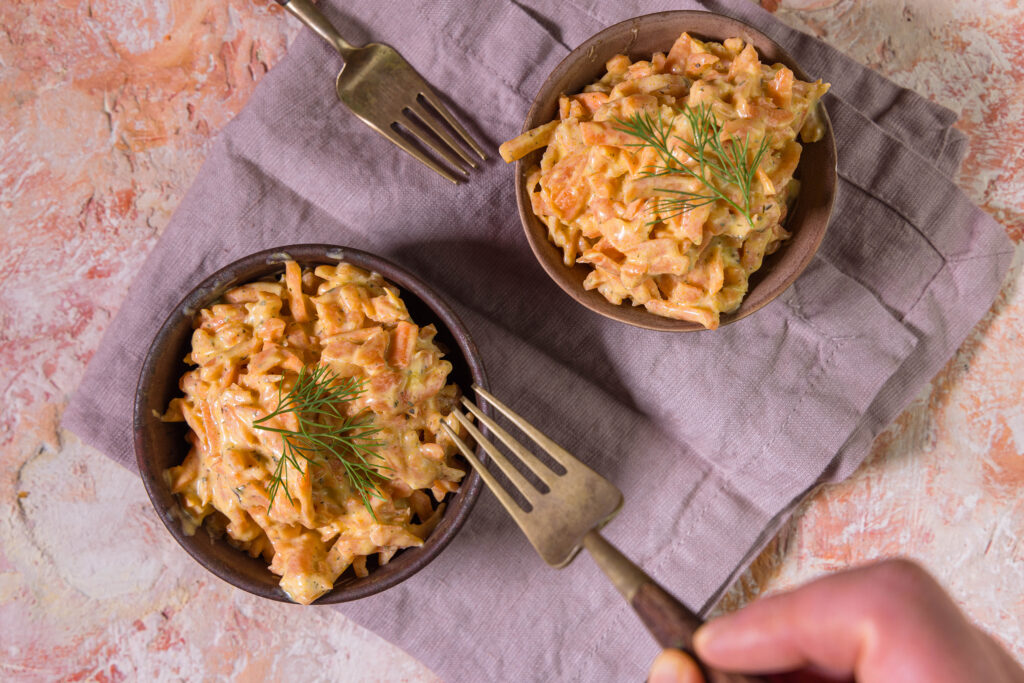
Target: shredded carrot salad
{"points": [[248, 350], [660, 219]]}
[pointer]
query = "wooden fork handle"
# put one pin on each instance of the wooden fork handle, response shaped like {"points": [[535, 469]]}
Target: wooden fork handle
{"points": [[673, 625], [670, 622]]}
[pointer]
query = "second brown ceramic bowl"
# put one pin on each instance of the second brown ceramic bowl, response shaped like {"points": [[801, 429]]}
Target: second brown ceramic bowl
{"points": [[159, 445], [639, 38]]}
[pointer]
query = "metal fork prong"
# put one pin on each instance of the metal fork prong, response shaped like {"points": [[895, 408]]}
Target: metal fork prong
{"points": [[431, 121], [415, 125], [393, 135], [429, 96], [543, 472], [557, 453], [528, 490], [506, 500]]}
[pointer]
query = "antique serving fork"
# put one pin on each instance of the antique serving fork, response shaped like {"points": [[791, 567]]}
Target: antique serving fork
{"points": [[383, 90], [567, 517]]}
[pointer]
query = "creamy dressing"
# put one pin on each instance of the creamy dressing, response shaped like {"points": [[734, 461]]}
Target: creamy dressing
{"points": [[247, 349], [596, 191]]}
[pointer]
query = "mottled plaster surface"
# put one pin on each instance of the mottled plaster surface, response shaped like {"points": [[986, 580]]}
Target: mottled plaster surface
{"points": [[107, 109]]}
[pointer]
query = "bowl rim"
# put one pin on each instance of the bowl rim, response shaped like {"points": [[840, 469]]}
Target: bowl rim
{"points": [[559, 272], [209, 290]]}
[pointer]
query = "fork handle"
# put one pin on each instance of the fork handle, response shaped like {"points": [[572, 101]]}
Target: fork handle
{"points": [[668, 620], [673, 625], [306, 12]]}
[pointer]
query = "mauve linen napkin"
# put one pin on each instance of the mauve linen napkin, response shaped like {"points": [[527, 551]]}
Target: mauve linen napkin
{"points": [[713, 436]]}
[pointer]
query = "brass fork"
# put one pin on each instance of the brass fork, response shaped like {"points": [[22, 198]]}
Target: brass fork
{"points": [[566, 518], [383, 90]]}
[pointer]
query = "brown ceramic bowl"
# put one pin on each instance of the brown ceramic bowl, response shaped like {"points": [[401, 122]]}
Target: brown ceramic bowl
{"points": [[639, 38], [159, 445]]}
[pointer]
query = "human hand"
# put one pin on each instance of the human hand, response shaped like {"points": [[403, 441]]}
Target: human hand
{"points": [[885, 622]]}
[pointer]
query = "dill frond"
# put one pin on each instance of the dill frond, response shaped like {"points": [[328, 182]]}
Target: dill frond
{"points": [[316, 400], [719, 164]]}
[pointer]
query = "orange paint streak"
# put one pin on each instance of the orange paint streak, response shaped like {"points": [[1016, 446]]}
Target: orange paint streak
{"points": [[1004, 466], [167, 638], [997, 118]]}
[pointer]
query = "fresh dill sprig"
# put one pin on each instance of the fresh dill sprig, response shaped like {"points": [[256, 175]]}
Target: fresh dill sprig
{"points": [[719, 164], [316, 400]]}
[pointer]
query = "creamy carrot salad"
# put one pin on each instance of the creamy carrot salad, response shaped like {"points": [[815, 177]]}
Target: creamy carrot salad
{"points": [[315, 488], [671, 178]]}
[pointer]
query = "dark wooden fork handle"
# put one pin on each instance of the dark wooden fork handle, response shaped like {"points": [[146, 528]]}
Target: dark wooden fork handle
{"points": [[673, 625], [670, 622]]}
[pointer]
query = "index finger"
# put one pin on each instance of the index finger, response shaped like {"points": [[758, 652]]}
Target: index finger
{"points": [[885, 622]]}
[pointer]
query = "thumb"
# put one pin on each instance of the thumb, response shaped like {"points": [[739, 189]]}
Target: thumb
{"points": [[673, 666]]}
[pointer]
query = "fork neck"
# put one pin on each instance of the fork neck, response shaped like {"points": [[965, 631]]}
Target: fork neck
{"points": [[306, 12]]}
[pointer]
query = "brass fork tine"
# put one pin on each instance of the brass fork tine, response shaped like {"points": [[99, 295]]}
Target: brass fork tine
{"points": [[383, 89], [507, 501], [567, 518], [393, 135], [557, 453], [420, 132], [528, 490], [429, 96], [426, 117], [543, 472]]}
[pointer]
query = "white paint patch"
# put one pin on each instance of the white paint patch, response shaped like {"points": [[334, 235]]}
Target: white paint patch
{"points": [[966, 508], [81, 527], [143, 28], [10, 586], [1015, 421], [234, 22]]}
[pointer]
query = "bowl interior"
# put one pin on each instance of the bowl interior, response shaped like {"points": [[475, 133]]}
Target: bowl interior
{"points": [[639, 38], [159, 445]]}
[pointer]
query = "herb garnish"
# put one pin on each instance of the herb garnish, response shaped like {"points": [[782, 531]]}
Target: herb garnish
{"points": [[316, 400], [719, 164]]}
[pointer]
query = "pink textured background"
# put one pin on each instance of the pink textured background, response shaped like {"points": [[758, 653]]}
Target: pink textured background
{"points": [[107, 109]]}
